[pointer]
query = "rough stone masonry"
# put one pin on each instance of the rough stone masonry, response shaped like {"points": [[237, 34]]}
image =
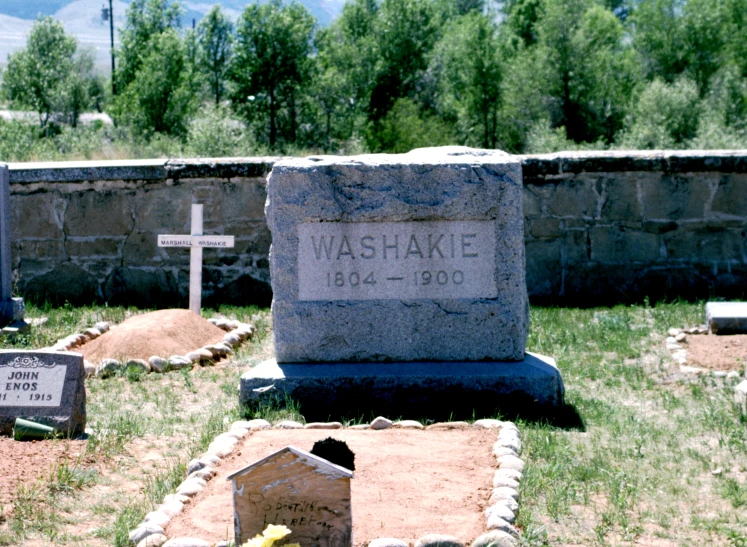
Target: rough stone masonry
{"points": [[415, 257], [399, 287]]}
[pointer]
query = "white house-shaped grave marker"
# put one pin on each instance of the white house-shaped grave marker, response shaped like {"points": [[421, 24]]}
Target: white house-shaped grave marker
{"points": [[292, 487]]}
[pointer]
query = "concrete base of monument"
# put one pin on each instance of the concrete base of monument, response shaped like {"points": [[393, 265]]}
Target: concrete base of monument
{"points": [[435, 390]]}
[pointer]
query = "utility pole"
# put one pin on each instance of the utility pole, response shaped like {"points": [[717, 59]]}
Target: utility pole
{"points": [[109, 14]]}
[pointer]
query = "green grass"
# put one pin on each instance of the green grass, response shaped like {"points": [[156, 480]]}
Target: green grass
{"points": [[642, 468]]}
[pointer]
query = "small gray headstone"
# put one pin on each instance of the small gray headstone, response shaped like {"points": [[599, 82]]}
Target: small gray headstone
{"points": [[44, 387]]}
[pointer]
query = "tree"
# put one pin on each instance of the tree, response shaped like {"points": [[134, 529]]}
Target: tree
{"points": [[47, 75], [145, 19], [468, 68], [271, 65], [214, 38], [160, 98]]}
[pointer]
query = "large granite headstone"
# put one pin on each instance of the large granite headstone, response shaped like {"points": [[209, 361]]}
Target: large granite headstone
{"points": [[44, 387], [11, 309], [398, 282], [294, 488]]}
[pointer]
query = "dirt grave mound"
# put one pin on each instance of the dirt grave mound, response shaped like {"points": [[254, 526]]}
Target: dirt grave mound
{"points": [[716, 352], [163, 333], [407, 483]]}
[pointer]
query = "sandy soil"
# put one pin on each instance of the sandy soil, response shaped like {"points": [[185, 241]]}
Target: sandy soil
{"points": [[24, 463], [407, 483], [716, 352], [163, 333]]}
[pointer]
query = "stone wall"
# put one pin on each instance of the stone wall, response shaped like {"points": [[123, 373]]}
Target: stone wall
{"points": [[599, 228], [88, 231]]}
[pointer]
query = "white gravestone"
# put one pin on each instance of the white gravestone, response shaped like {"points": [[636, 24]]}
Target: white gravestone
{"points": [[196, 242]]}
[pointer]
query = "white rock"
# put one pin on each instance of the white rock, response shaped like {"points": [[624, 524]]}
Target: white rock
{"points": [[502, 480], [508, 442], [191, 487], [231, 339], [221, 323], [673, 332], [252, 425], [323, 425], [177, 362], [502, 512], [206, 473], [733, 374], [92, 333], [237, 432], [509, 426], [108, 367], [381, 423], [408, 424], [169, 498], [690, 370], [158, 364], [195, 465], [673, 347], [214, 320], [222, 448], [500, 450], [143, 531], [509, 474], [156, 540], [289, 424], [719, 373], [740, 396], [186, 542], [158, 518], [438, 540], [171, 508], [226, 437], [495, 538], [511, 503], [681, 337], [140, 364], [497, 523], [101, 326], [670, 340], [209, 459], [488, 424], [504, 492], [89, 367], [387, 542], [233, 324], [359, 426]]}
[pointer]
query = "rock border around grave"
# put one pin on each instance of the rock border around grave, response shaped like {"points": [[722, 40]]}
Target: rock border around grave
{"points": [[500, 515], [237, 332], [679, 354]]}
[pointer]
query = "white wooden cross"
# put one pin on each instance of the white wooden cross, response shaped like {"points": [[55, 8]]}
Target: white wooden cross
{"points": [[196, 242]]}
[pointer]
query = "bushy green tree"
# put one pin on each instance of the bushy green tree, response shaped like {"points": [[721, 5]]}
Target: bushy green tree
{"points": [[214, 39], [665, 116], [271, 66], [50, 75], [467, 64], [145, 19], [160, 98]]}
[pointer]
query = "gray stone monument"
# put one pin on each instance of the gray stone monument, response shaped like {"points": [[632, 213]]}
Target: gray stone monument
{"points": [[399, 286], [11, 309], [45, 387]]}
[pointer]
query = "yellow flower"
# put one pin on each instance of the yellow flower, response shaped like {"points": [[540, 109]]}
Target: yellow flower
{"points": [[271, 534], [275, 533]]}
